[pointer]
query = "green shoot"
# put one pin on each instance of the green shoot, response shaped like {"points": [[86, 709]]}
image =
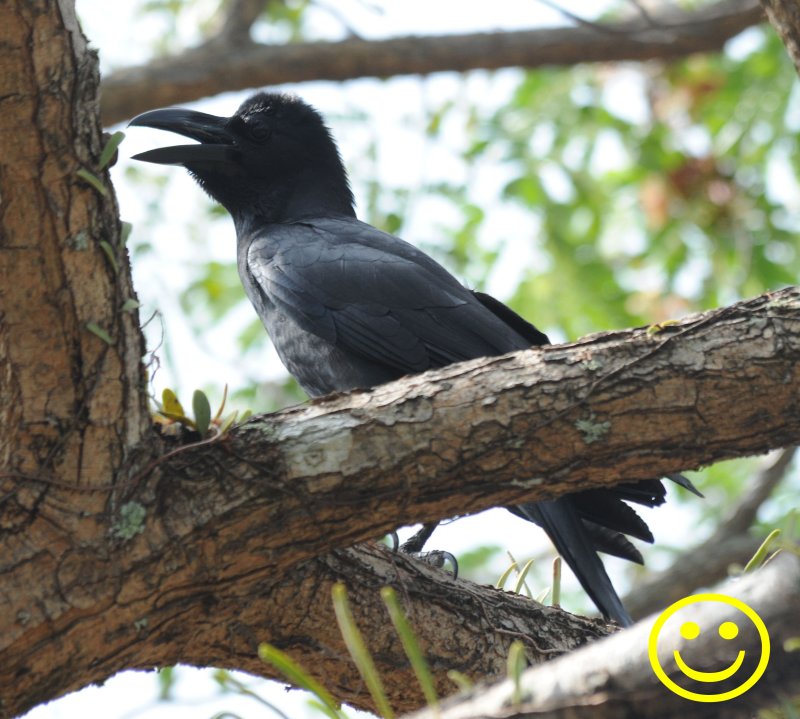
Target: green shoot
{"points": [[230, 683], [106, 247], [299, 677], [358, 651], [516, 665], [462, 681], [521, 579], [125, 233], [557, 582], [761, 553], [171, 412], [505, 575], [111, 147], [97, 330], [221, 405], [410, 645], [92, 180]]}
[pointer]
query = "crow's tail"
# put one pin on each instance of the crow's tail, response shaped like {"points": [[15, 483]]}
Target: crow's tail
{"points": [[560, 519]]}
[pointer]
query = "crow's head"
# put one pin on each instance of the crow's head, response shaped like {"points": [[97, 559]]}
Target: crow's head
{"points": [[274, 158]]}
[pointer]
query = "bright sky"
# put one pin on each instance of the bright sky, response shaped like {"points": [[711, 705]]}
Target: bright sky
{"points": [[395, 110]]}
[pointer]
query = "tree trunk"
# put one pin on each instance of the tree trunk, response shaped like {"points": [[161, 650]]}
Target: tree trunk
{"points": [[71, 401]]}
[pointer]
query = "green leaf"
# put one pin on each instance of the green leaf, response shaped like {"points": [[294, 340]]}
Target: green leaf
{"points": [[110, 148], [129, 305], [296, 675], [521, 579], [228, 422], [505, 575], [247, 414], [166, 683], [410, 645], [96, 329], [516, 665], [761, 553], [359, 652], [170, 403], [202, 411], [92, 180], [110, 254], [462, 681]]}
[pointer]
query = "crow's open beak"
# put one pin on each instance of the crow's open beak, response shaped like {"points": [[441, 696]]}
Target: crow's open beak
{"points": [[217, 143]]}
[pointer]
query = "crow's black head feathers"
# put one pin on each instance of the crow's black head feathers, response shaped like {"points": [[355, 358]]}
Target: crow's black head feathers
{"points": [[273, 160]]}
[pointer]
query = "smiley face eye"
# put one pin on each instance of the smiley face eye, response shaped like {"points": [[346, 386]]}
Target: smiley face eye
{"points": [[690, 630], [728, 630]]}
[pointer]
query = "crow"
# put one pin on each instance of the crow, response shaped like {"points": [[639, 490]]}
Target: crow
{"points": [[348, 306]]}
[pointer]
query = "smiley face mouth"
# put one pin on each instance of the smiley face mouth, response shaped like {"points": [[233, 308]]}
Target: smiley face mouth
{"points": [[709, 676]]}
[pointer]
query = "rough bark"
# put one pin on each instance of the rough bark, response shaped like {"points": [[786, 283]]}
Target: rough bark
{"points": [[613, 679], [225, 65], [63, 266], [785, 18], [222, 524], [71, 402]]}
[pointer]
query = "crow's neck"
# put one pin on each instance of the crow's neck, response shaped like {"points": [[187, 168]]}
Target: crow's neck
{"points": [[309, 195]]}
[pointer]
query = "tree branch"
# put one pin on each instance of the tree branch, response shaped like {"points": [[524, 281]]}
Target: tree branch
{"points": [[613, 678], [222, 525], [784, 15], [224, 67], [237, 18]]}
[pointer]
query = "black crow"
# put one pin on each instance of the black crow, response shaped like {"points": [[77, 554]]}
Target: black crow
{"points": [[349, 306]]}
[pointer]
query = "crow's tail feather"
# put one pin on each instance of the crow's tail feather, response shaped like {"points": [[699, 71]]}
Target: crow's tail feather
{"points": [[560, 519]]}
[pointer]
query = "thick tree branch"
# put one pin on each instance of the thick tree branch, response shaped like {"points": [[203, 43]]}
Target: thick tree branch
{"points": [[223, 67], [237, 517], [613, 678], [459, 625]]}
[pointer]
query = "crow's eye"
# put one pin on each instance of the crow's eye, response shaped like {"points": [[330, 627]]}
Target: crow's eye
{"points": [[258, 132]]}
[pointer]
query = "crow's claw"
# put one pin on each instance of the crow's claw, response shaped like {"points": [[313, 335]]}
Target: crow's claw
{"points": [[395, 541], [437, 558]]}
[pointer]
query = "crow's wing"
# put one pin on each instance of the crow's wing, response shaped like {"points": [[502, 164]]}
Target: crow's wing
{"points": [[373, 295]]}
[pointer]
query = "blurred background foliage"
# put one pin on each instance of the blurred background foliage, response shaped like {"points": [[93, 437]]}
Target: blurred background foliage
{"points": [[591, 198]]}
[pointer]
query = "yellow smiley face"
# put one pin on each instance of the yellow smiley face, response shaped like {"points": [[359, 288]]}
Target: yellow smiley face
{"points": [[690, 630]]}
